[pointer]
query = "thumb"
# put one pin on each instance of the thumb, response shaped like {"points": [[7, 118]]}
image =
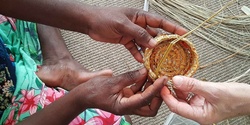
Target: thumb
{"points": [[188, 84], [140, 35], [89, 75]]}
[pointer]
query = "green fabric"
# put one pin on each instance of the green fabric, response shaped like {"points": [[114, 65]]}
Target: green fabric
{"points": [[31, 94], [25, 47]]}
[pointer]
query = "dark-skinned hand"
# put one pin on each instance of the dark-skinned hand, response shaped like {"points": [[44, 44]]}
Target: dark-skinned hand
{"points": [[128, 27], [122, 94]]}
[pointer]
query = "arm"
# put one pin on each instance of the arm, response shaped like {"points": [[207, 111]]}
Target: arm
{"points": [[108, 93], [53, 45], [213, 102], [59, 68], [126, 26], [66, 14], [60, 112]]}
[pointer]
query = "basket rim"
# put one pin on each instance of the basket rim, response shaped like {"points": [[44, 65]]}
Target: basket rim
{"points": [[160, 38]]}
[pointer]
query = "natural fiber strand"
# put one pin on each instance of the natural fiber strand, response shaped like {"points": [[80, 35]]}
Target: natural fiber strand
{"points": [[191, 31], [229, 32], [224, 59], [238, 77]]}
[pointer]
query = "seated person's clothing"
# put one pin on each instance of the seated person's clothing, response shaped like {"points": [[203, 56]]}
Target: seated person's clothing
{"points": [[7, 77], [22, 92]]}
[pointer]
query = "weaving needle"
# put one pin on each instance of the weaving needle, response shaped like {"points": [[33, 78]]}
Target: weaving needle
{"points": [[146, 5]]}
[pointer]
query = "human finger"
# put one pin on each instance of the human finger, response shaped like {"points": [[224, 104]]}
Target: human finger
{"points": [[151, 109], [157, 21], [145, 98], [180, 107], [187, 84], [152, 31], [139, 34], [180, 94], [132, 48], [140, 85], [106, 72], [128, 78], [155, 104]]}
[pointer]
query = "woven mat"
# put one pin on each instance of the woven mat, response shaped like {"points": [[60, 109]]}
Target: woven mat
{"points": [[97, 56]]}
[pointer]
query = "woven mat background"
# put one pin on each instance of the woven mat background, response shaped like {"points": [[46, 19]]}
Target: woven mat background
{"points": [[96, 56]]}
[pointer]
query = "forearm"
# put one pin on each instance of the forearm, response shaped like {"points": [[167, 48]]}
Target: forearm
{"points": [[52, 44], [60, 112], [66, 14]]}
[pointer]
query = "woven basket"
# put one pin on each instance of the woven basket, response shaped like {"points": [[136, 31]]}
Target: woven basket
{"points": [[182, 58]]}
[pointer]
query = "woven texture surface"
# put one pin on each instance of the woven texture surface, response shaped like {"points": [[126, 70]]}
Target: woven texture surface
{"points": [[96, 56]]}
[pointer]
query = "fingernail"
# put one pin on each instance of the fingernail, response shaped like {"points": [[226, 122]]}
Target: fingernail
{"points": [[177, 81], [143, 71], [152, 42]]}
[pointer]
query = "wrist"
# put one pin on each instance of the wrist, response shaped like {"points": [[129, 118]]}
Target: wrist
{"points": [[241, 98], [79, 99], [90, 17], [81, 18]]}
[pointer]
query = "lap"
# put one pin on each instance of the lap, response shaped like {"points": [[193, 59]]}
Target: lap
{"points": [[31, 94]]}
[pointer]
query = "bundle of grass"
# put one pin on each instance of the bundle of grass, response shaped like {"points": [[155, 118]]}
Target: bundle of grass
{"points": [[227, 30]]}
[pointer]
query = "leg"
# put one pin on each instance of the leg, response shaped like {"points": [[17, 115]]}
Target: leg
{"points": [[59, 69]]}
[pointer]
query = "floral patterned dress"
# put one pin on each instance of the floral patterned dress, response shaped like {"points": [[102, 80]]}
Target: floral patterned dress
{"points": [[22, 93]]}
